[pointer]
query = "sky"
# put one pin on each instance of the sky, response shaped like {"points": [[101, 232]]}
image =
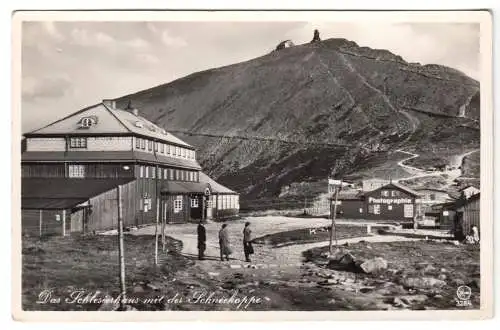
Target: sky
{"points": [[67, 66]]}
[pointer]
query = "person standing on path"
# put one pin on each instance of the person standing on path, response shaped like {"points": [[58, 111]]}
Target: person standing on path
{"points": [[202, 240], [225, 248], [247, 241]]}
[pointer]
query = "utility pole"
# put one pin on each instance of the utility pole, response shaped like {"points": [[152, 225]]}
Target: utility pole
{"points": [[40, 223], [157, 174], [333, 226], [121, 254]]}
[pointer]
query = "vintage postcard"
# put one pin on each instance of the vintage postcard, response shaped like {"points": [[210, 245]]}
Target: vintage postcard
{"points": [[232, 163]]}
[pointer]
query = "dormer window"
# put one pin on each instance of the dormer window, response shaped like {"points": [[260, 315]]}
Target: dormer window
{"points": [[78, 142], [87, 122]]}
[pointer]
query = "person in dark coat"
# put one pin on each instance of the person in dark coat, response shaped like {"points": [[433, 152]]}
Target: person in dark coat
{"points": [[202, 241], [247, 241], [225, 248]]}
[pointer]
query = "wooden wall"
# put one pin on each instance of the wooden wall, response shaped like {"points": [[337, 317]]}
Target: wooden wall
{"points": [[471, 216]]}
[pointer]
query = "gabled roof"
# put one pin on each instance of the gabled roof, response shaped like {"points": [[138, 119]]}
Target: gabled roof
{"points": [[214, 185], [63, 193], [469, 186], [348, 195], [395, 185], [108, 121]]}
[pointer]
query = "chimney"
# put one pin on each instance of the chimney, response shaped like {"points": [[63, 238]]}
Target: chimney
{"points": [[109, 103], [132, 109]]}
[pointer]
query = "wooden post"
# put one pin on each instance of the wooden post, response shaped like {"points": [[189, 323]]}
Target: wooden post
{"points": [[64, 222], [203, 208], [40, 223], [121, 250], [163, 225], [333, 227], [156, 229]]}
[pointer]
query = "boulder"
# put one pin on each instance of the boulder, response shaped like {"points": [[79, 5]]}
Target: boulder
{"points": [[343, 262], [374, 265], [397, 302], [412, 299], [442, 277], [475, 283], [423, 282], [138, 289]]}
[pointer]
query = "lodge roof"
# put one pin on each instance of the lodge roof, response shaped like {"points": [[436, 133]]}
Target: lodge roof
{"points": [[214, 185], [63, 193], [181, 187], [108, 121], [108, 156]]}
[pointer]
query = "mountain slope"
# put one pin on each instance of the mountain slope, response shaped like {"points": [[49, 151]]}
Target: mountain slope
{"points": [[302, 113]]}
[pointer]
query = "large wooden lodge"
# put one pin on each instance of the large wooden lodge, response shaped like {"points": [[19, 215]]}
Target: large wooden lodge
{"points": [[71, 170]]}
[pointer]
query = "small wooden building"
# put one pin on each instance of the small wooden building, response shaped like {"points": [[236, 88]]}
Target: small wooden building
{"points": [[391, 202]]}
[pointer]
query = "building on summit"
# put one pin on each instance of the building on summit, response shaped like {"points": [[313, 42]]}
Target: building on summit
{"points": [[71, 170]]}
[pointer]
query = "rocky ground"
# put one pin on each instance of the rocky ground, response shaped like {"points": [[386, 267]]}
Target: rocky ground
{"points": [[375, 272]]}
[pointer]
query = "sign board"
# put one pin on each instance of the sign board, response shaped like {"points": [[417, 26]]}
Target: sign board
{"points": [[390, 200], [207, 192], [58, 217]]}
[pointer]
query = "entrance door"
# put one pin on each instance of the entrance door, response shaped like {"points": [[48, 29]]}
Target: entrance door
{"points": [[408, 211]]}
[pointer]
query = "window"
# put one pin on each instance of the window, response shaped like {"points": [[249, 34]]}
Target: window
{"points": [[360, 210], [156, 146], [394, 193], [150, 145], [76, 171], [177, 175], [162, 150], [178, 204], [168, 149], [143, 143], [146, 175], [183, 152], [141, 171], [153, 172], [191, 176], [137, 143], [194, 202], [433, 197], [78, 142], [385, 193], [177, 152], [165, 173], [376, 209], [389, 207], [171, 174]]}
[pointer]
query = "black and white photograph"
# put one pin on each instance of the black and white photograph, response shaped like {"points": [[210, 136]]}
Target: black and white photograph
{"points": [[253, 161]]}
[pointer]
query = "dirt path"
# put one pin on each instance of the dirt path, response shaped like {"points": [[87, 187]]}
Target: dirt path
{"points": [[265, 256], [416, 172]]}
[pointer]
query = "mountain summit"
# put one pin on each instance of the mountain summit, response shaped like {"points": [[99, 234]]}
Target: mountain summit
{"points": [[304, 112]]}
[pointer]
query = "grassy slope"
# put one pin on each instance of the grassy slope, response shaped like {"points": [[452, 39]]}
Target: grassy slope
{"points": [[90, 263], [302, 236], [330, 92]]}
